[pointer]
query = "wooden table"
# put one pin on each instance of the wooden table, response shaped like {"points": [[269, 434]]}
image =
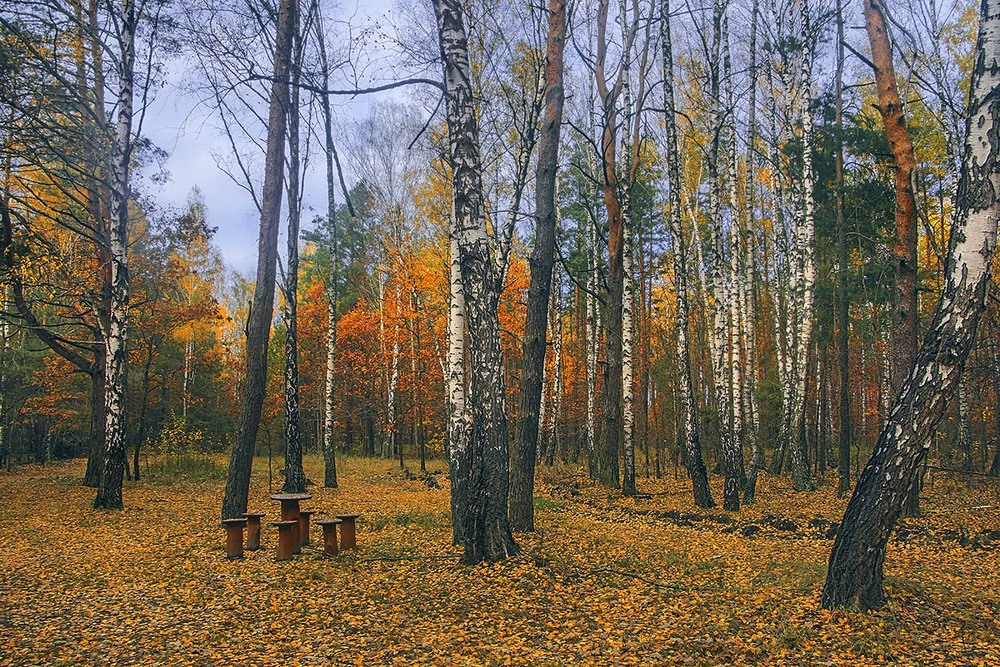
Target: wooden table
{"points": [[290, 512]]}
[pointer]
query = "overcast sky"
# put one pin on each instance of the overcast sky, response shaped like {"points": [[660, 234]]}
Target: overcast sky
{"points": [[189, 135]]}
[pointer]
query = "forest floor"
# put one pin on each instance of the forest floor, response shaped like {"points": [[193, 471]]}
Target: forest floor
{"points": [[603, 581]]}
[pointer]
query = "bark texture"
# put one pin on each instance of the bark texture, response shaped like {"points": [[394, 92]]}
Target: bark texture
{"points": [[483, 468], [890, 108]]}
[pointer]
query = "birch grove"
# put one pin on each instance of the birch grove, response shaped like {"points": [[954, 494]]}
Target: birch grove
{"points": [[623, 250]]}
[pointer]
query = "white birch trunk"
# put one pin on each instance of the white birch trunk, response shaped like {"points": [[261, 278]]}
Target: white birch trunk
{"points": [[482, 474], [805, 251], [557, 372], [629, 117], [392, 443], [857, 560], [591, 341], [109, 494], [736, 292], [459, 422], [188, 352], [964, 435], [719, 338]]}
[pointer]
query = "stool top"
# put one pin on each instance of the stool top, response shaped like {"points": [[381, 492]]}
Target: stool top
{"points": [[254, 515], [308, 512], [228, 523], [328, 522], [291, 496], [348, 517], [282, 524]]}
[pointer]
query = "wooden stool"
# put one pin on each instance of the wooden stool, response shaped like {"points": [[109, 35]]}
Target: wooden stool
{"points": [[286, 539], [253, 530], [329, 535], [304, 516], [348, 531], [290, 512], [234, 537]]}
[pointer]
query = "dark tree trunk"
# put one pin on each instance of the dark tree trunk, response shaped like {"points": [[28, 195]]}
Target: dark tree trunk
{"points": [[524, 446], [752, 411], [370, 433], [481, 478], [259, 321], [140, 436], [995, 466], [95, 453], [843, 302], [854, 578], [295, 477]]}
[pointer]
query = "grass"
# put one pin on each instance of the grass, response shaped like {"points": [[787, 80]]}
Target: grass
{"points": [[173, 468]]}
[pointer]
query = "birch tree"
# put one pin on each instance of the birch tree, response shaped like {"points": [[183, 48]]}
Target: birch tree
{"points": [[329, 395], [109, 492], [689, 419], [609, 92], [481, 470], [855, 574]]}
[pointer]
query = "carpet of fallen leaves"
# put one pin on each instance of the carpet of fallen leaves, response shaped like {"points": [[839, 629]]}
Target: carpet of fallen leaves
{"points": [[603, 581]]}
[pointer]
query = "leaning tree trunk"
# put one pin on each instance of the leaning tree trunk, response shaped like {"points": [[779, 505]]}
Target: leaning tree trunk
{"points": [[295, 477], [524, 446], [259, 321], [855, 574], [689, 426], [483, 467], [109, 493]]}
